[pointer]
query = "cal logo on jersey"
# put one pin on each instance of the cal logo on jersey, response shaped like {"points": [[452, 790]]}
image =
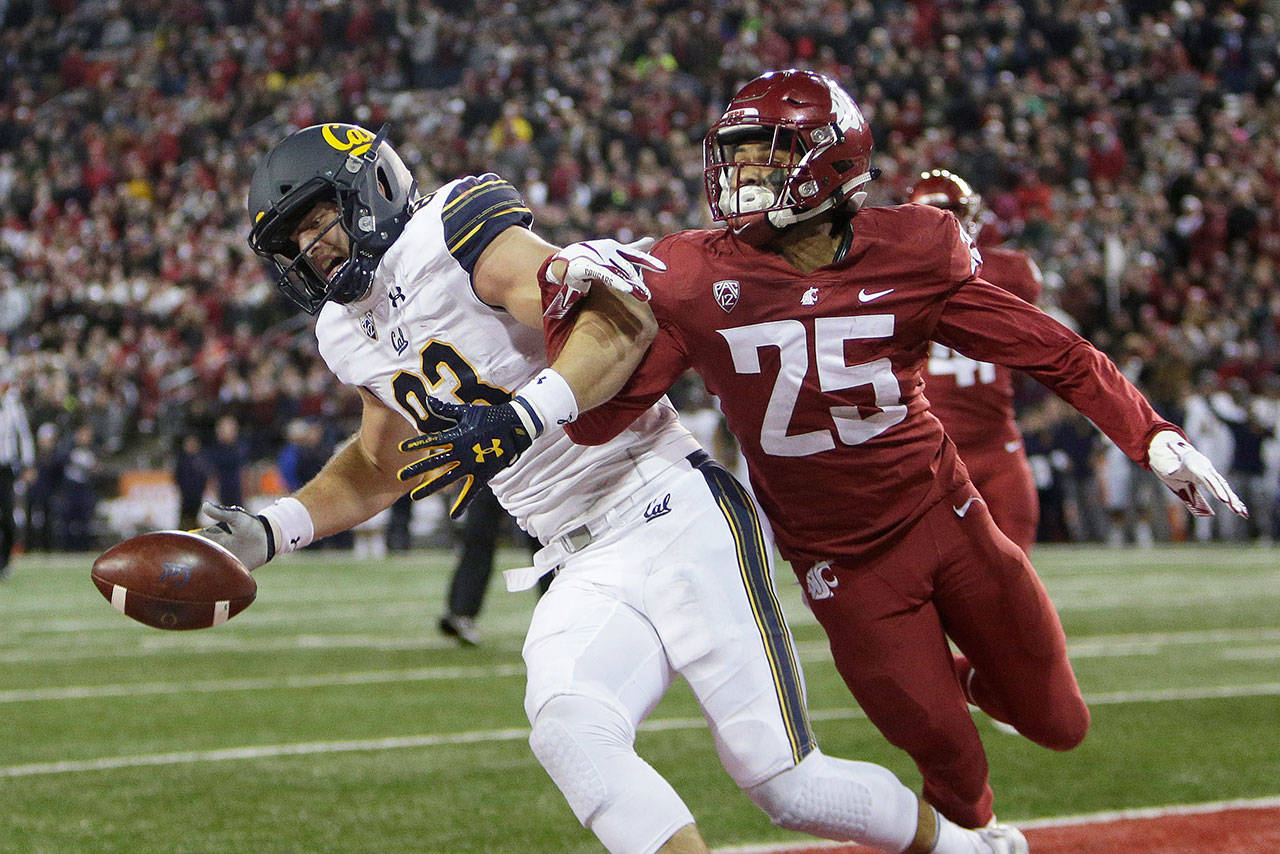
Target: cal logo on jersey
{"points": [[726, 292]]}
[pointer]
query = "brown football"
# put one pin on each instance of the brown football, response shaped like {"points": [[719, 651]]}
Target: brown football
{"points": [[174, 580]]}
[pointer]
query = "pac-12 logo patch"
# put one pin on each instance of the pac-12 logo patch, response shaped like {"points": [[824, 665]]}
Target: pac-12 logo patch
{"points": [[726, 292]]}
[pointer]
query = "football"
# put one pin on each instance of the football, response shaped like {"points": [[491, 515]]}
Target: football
{"points": [[174, 580]]}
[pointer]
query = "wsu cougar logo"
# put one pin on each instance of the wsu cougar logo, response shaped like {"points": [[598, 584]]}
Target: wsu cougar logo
{"points": [[726, 292], [821, 581]]}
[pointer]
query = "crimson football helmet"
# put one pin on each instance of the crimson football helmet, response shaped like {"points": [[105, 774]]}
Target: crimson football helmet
{"points": [[946, 190], [819, 152]]}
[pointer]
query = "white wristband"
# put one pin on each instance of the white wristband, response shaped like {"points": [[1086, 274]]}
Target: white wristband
{"points": [[291, 524], [550, 398]]}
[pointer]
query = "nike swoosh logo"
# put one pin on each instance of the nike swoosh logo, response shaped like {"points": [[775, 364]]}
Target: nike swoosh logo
{"points": [[867, 296], [1012, 446], [964, 508]]}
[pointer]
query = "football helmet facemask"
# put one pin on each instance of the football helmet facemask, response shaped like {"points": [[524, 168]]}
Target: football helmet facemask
{"points": [[946, 190], [356, 170], [818, 154]]}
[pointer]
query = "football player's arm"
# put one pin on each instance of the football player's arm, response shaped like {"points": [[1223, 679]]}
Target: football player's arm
{"points": [[611, 332], [992, 325], [359, 480], [623, 398]]}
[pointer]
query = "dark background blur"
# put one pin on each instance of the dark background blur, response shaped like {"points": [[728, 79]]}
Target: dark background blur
{"points": [[1129, 147]]}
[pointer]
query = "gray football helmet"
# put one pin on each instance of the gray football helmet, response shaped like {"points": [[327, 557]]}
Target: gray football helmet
{"points": [[341, 163]]}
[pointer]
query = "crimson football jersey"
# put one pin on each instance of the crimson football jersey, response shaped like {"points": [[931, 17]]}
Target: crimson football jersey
{"points": [[974, 400], [820, 375]]}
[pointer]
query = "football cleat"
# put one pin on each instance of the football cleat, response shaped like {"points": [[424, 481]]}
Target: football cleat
{"points": [[1004, 839], [462, 628]]}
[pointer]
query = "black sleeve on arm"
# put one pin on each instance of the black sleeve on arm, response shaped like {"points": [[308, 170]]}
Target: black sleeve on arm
{"points": [[478, 210]]}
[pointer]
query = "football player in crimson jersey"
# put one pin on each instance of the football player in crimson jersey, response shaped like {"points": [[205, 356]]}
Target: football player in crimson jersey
{"points": [[811, 318], [432, 306], [972, 399]]}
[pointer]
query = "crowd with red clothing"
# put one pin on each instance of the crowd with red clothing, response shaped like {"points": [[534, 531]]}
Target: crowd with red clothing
{"points": [[1130, 148]]}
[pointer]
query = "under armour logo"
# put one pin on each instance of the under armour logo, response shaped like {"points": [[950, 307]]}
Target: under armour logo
{"points": [[821, 581], [810, 297], [658, 507], [396, 295], [494, 448]]}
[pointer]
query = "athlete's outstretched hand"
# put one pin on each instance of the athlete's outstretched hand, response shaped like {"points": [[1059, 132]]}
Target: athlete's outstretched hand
{"points": [[619, 266], [1186, 471], [482, 442]]}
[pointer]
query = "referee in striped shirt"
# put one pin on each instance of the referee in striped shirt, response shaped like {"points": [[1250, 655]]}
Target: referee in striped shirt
{"points": [[17, 454]]}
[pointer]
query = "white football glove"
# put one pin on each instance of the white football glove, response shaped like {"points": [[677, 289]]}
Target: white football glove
{"points": [[239, 532], [605, 260], [1185, 470]]}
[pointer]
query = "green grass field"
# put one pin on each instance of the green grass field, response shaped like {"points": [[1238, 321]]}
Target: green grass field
{"points": [[331, 716]]}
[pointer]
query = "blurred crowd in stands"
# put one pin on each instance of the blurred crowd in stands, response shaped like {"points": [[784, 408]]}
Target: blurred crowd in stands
{"points": [[1132, 148]]}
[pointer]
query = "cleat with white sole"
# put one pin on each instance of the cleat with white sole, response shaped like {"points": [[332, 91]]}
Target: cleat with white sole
{"points": [[1004, 839]]}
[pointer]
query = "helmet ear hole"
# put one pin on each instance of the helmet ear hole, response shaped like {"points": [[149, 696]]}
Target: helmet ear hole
{"points": [[384, 184]]}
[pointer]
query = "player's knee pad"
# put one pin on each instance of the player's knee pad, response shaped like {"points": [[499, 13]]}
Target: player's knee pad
{"points": [[586, 746], [840, 799], [569, 733]]}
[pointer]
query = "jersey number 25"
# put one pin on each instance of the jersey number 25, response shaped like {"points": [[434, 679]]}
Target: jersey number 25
{"points": [[830, 333]]}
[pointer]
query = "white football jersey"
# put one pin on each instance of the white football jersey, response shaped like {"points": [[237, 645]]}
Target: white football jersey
{"points": [[422, 331]]}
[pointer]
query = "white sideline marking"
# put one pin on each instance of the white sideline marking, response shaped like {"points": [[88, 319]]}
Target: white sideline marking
{"points": [[324, 680], [263, 752], [398, 743], [1057, 821], [1092, 646], [382, 677], [169, 644]]}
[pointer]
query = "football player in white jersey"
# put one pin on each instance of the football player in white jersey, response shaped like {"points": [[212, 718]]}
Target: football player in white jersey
{"points": [[663, 566]]}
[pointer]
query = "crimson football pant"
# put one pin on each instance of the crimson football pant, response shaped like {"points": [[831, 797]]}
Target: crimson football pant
{"points": [[888, 621], [1005, 481]]}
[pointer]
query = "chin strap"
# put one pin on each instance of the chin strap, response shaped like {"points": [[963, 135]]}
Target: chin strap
{"points": [[789, 217]]}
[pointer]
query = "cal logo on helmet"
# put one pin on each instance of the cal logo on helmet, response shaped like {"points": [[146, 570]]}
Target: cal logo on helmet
{"points": [[356, 142]]}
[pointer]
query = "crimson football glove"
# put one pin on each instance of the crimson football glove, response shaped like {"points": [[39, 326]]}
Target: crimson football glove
{"points": [[1186, 471], [619, 266], [483, 441]]}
